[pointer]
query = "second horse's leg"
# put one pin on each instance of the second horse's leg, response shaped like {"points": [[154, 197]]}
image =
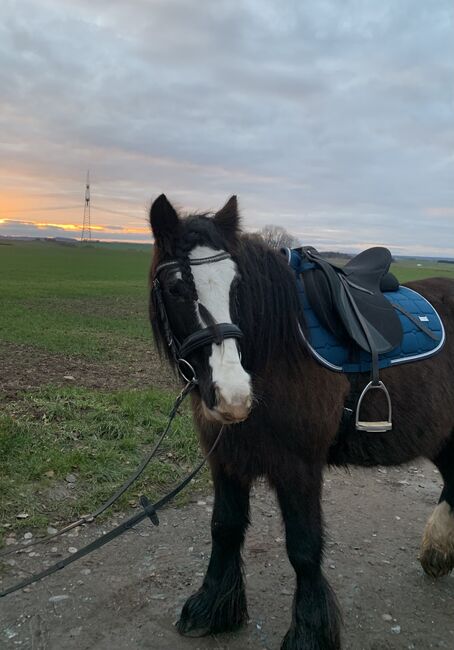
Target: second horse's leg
{"points": [[220, 604]]}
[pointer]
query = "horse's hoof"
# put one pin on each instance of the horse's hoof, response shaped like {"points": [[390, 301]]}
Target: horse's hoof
{"points": [[206, 613], [299, 641], [437, 548], [194, 620], [436, 563], [185, 628]]}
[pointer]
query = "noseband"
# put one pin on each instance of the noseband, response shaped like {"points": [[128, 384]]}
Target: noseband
{"points": [[205, 336]]}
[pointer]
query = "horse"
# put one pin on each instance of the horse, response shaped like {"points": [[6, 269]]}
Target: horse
{"points": [[280, 410]]}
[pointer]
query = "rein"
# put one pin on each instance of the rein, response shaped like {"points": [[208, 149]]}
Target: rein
{"points": [[89, 519], [149, 509]]}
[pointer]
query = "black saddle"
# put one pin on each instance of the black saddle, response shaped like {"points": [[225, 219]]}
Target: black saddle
{"points": [[349, 300]]}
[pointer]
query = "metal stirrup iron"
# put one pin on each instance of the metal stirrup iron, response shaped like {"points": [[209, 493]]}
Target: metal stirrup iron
{"points": [[374, 427]]}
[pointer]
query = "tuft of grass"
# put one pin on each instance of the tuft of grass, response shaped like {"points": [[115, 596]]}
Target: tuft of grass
{"points": [[100, 437]]}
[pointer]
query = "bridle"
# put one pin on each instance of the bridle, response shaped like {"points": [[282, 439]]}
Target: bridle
{"points": [[205, 336]]}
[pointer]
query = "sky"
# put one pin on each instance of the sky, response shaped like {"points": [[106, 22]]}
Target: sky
{"points": [[332, 119]]}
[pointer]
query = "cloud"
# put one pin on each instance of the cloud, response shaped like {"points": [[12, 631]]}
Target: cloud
{"points": [[15, 227], [322, 117]]}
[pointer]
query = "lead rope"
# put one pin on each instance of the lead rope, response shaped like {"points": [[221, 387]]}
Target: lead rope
{"points": [[89, 519], [149, 510]]}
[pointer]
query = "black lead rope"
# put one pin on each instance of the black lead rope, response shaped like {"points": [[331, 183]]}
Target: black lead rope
{"points": [[89, 519], [149, 510]]}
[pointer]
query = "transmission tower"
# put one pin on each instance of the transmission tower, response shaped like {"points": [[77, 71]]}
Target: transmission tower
{"points": [[86, 227]]}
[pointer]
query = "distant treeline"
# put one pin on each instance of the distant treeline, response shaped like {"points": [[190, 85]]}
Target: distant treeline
{"points": [[336, 255], [445, 261]]}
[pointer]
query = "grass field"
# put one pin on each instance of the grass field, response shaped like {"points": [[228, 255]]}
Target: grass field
{"points": [[418, 269], [85, 309], [75, 300]]}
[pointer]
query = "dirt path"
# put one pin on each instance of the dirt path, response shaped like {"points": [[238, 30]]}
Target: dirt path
{"points": [[128, 595]]}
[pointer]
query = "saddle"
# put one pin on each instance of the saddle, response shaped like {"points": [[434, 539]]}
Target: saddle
{"points": [[349, 303], [349, 300]]}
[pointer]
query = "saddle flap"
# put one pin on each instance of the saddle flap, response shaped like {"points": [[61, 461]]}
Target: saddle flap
{"points": [[320, 295], [382, 321]]}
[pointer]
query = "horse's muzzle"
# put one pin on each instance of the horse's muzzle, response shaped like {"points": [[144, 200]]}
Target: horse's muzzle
{"points": [[228, 413]]}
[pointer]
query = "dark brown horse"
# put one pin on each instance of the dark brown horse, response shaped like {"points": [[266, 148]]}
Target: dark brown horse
{"points": [[281, 412]]}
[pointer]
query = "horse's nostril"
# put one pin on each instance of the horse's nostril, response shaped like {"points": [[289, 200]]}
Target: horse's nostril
{"points": [[234, 412], [233, 407]]}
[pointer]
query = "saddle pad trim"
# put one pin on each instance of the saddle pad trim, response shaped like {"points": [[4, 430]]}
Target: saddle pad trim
{"points": [[318, 356]]}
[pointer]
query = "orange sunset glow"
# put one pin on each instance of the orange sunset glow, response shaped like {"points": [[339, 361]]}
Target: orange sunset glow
{"points": [[22, 215]]}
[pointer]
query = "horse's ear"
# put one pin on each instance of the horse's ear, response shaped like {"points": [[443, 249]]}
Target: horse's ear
{"points": [[164, 222], [227, 219]]}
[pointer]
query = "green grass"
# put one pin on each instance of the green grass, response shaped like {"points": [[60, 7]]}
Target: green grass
{"points": [[74, 300], [99, 437], [407, 270]]}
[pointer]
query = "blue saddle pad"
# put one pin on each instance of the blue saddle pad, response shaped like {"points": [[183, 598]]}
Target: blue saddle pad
{"points": [[348, 357]]}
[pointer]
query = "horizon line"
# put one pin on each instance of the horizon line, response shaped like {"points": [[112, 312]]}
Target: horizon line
{"points": [[28, 238]]}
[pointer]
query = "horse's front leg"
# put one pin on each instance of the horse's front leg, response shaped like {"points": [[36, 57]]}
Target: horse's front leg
{"points": [[315, 619], [220, 604]]}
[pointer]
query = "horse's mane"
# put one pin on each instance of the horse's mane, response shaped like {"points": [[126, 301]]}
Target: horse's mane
{"points": [[268, 304]]}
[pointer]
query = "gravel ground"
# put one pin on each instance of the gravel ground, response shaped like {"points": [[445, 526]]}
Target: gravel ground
{"points": [[128, 595]]}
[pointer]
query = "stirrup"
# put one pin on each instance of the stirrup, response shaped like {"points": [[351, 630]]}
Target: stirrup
{"points": [[374, 427]]}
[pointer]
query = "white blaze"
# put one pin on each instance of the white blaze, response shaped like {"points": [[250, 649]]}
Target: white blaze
{"points": [[213, 282]]}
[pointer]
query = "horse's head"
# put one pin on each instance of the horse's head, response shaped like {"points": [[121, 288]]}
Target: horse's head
{"points": [[193, 305]]}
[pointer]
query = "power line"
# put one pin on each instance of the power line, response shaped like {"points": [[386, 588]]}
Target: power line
{"points": [[45, 209], [86, 226], [101, 209]]}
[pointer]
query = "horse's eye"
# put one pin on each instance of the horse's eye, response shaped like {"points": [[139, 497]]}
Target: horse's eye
{"points": [[176, 289]]}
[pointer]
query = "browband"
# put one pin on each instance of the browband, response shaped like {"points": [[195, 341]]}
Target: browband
{"points": [[196, 261]]}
